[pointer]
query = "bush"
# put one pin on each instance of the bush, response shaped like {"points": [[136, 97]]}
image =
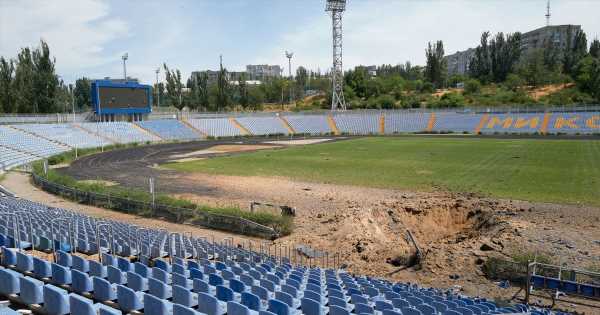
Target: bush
{"points": [[472, 86], [385, 102], [450, 100], [427, 88]]}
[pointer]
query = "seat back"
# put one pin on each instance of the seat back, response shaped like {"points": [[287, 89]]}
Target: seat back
{"points": [[56, 300], [311, 307], [208, 304], [157, 306], [201, 286], [32, 290], [224, 294], [104, 290], [237, 286], [80, 305], [278, 307], [234, 308], [336, 310], [159, 289], [250, 300], [183, 296], [128, 299], [81, 282]]}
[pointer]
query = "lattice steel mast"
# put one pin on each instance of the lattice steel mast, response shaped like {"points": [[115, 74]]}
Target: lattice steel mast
{"points": [[336, 8]]}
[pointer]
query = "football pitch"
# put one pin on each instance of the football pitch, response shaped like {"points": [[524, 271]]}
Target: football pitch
{"points": [[557, 171]]}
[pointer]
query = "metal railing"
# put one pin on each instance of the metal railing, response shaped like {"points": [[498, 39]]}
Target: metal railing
{"points": [[173, 214]]}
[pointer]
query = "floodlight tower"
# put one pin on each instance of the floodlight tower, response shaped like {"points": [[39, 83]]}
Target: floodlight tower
{"points": [[336, 9], [125, 57], [289, 56], [548, 15]]}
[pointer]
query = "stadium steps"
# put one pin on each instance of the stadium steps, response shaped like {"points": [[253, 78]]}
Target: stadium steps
{"points": [[147, 131], [239, 126], [15, 148], [332, 125], [110, 140], [382, 123], [194, 129], [431, 122], [40, 136], [287, 125]]}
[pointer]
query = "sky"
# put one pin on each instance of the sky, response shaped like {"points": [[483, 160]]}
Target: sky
{"points": [[88, 37]]}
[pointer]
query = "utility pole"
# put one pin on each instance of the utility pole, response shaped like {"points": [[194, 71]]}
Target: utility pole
{"points": [[125, 57], [289, 56], [548, 15]]}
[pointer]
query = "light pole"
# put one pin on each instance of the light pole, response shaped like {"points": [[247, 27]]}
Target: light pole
{"points": [[72, 100], [289, 56], [157, 88], [125, 57]]}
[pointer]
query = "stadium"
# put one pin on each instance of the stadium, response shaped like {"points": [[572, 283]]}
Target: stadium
{"points": [[457, 188]]}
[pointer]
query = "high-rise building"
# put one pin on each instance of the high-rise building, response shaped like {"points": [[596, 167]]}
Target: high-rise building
{"points": [[557, 36], [263, 72]]}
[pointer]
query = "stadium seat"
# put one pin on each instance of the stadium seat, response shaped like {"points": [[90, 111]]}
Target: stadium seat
{"points": [[56, 300]]}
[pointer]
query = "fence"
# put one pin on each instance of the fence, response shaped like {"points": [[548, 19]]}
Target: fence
{"points": [[172, 214]]}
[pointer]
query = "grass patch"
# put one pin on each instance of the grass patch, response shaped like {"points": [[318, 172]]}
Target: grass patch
{"points": [[560, 171], [281, 224]]}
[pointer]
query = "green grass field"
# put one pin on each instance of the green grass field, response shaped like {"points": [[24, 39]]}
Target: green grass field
{"points": [[559, 171]]}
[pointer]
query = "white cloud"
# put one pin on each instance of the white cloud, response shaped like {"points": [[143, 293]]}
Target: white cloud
{"points": [[76, 31]]}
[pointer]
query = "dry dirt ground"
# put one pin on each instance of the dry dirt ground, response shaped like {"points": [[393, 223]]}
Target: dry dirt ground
{"points": [[367, 227]]}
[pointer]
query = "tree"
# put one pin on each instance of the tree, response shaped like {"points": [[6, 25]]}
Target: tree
{"points": [[472, 86], [436, 68], [595, 48], [203, 90], [223, 90], [82, 93], [7, 69], [575, 51], [301, 81], [587, 76], [243, 91], [494, 59], [480, 65], [25, 101], [174, 87], [45, 81]]}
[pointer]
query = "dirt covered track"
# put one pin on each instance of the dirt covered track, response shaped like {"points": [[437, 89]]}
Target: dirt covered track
{"points": [[458, 232]]}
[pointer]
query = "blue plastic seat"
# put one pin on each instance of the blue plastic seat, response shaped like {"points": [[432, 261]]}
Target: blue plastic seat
{"points": [[224, 294], [9, 256], [215, 280], [195, 273], [129, 300], [381, 305], [247, 280], [181, 280], [180, 269], [159, 289], [80, 264], [24, 262], [227, 275], [82, 306], [463, 311], [360, 308], [252, 301], [278, 307], [97, 269], [182, 310], [336, 310], [209, 305], [184, 296], [163, 265], [109, 260], [9, 282], [32, 290], [56, 300], [141, 269], [390, 312], [104, 290], [64, 259], [81, 282], [114, 275], [156, 306], [136, 282], [311, 307], [234, 308], [261, 292], [41, 268], [314, 296], [160, 274], [427, 310], [237, 286], [201, 286], [60, 275]]}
